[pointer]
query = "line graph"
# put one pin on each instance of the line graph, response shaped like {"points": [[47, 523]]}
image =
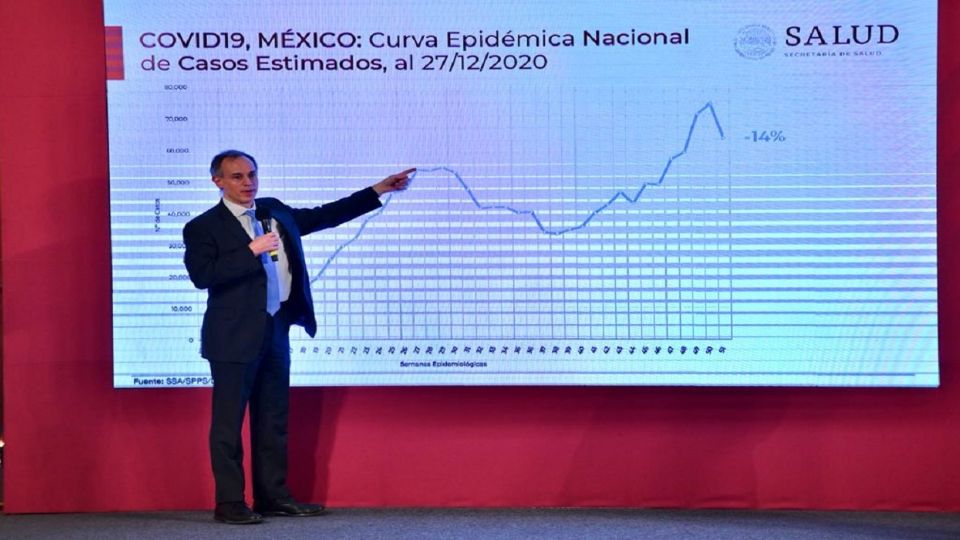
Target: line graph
{"points": [[624, 215], [630, 263], [708, 107]]}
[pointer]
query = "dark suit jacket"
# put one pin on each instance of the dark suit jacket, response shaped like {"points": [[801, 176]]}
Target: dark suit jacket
{"points": [[218, 259]]}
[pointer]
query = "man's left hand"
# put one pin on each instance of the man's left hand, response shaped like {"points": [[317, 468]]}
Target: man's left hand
{"points": [[394, 182]]}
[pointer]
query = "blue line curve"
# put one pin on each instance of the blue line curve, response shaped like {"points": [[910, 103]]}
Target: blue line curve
{"points": [[531, 213]]}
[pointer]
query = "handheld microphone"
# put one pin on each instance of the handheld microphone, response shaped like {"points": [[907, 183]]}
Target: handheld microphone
{"points": [[263, 216]]}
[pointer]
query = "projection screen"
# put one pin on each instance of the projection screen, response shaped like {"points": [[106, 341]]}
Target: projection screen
{"points": [[607, 193]]}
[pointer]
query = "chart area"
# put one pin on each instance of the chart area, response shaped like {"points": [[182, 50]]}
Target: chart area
{"points": [[735, 194]]}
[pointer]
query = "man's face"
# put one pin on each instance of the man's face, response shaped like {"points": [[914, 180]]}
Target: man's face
{"points": [[238, 180]]}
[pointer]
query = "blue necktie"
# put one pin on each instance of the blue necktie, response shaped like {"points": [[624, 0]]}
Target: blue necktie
{"points": [[273, 282]]}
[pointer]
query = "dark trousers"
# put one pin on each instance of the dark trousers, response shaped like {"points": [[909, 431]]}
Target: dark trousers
{"points": [[264, 384]]}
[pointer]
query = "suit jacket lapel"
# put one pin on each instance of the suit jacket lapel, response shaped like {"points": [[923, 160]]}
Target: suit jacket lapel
{"points": [[231, 223]]}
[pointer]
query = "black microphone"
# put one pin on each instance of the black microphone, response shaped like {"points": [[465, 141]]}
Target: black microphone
{"points": [[263, 216]]}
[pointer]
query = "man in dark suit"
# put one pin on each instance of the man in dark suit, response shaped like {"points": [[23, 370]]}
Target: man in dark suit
{"points": [[257, 285]]}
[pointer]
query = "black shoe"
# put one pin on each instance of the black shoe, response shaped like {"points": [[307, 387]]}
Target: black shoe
{"points": [[288, 507], [236, 513]]}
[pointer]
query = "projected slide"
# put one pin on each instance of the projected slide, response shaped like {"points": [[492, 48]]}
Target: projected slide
{"points": [[607, 193]]}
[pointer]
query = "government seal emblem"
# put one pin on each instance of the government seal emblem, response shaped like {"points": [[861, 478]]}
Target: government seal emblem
{"points": [[755, 41]]}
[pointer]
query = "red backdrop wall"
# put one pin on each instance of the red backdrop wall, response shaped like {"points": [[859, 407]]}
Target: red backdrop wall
{"points": [[76, 444]]}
